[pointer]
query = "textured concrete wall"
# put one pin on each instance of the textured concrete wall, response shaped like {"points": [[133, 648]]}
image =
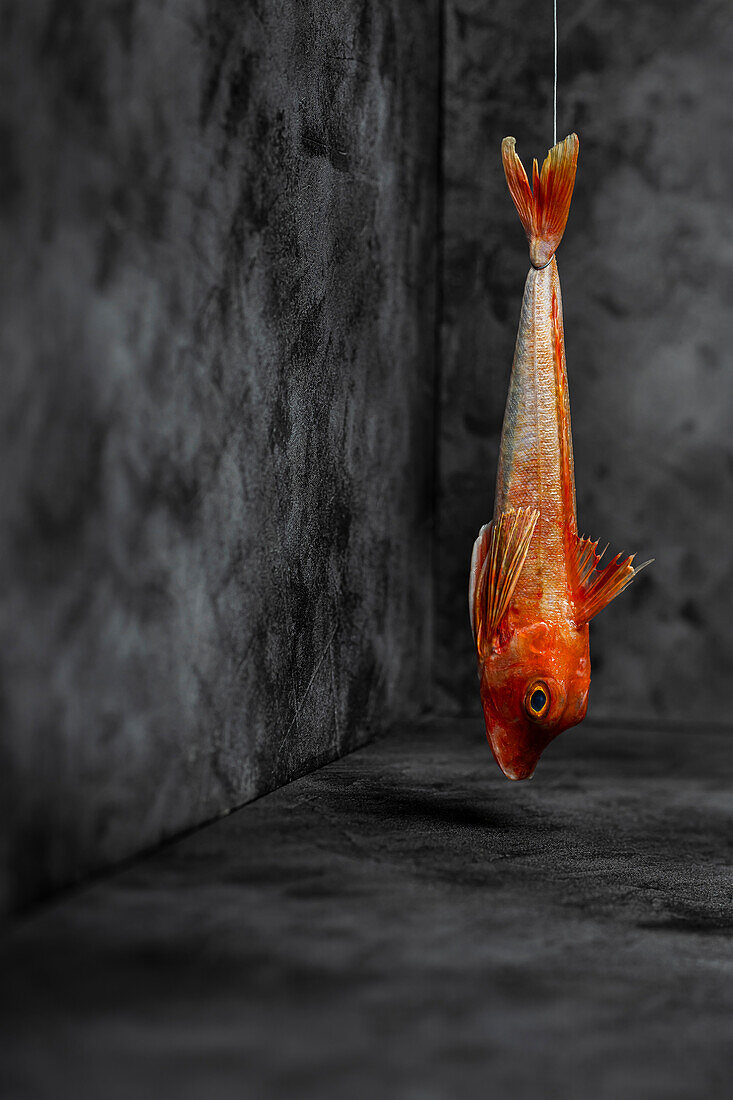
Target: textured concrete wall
{"points": [[218, 351], [647, 273]]}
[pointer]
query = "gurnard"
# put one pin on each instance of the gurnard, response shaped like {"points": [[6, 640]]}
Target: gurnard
{"points": [[535, 583]]}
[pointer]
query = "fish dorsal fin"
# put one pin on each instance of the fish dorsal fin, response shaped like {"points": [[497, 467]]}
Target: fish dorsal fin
{"points": [[498, 556], [593, 588]]}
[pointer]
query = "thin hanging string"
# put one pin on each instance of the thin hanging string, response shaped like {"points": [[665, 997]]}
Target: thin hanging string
{"points": [[554, 91]]}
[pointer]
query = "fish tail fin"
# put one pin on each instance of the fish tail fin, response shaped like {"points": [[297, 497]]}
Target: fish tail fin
{"points": [[544, 207]]}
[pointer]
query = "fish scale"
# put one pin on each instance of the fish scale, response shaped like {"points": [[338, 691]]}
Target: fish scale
{"points": [[531, 473]]}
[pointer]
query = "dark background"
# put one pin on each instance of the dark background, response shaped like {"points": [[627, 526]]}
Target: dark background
{"points": [[260, 289]]}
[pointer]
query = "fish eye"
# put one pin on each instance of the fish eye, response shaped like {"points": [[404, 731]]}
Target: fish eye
{"points": [[537, 699]]}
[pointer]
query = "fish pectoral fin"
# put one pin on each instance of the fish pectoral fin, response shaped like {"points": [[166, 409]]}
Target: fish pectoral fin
{"points": [[593, 588], [478, 557], [498, 555]]}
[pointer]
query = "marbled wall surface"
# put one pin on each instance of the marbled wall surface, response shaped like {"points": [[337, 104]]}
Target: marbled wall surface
{"points": [[647, 272], [218, 350]]}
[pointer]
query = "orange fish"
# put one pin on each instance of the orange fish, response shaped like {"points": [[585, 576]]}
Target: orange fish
{"points": [[535, 583]]}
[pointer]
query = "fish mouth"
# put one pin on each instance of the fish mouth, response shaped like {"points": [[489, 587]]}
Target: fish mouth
{"points": [[515, 763], [517, 774]]}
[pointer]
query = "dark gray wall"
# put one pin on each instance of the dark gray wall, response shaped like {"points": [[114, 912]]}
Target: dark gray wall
{"points": [[647, 273], [218, 290]]}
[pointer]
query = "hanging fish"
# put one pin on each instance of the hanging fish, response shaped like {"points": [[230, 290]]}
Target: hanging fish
{"points": [[535, 584]]}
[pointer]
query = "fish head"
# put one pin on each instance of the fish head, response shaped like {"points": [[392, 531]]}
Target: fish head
{"points": [[532, 688]]}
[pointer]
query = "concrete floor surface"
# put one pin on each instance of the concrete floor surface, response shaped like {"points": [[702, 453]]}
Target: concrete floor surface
{"points": [[405, 923]]}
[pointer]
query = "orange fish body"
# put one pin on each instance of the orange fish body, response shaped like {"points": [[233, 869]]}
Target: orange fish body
{"points": [[534, 583]]}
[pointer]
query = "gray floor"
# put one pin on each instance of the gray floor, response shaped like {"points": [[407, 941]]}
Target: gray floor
{"points": [[406, 923]]}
